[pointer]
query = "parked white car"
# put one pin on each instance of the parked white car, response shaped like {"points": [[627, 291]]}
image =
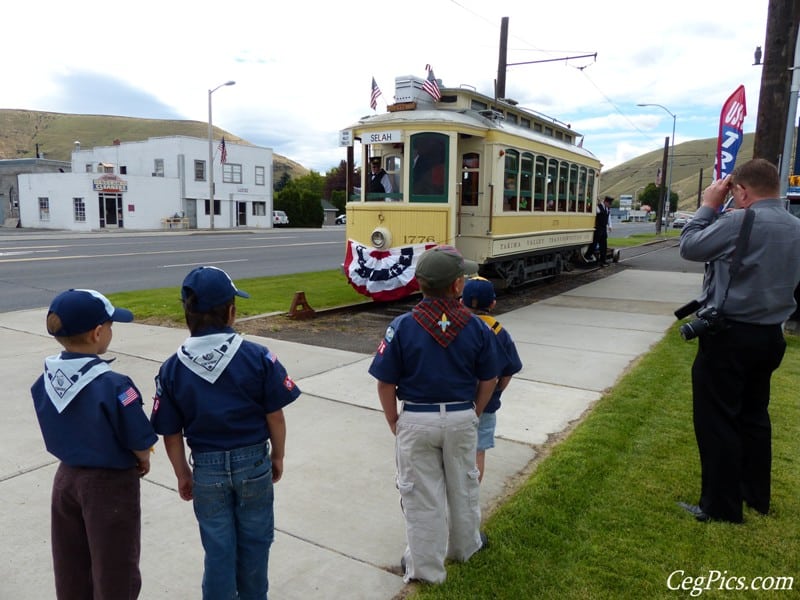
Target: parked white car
{"points": [[279, 218], [341, 219]]}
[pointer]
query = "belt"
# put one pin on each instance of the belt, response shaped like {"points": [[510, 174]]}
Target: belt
{"points": [[446, 406]]}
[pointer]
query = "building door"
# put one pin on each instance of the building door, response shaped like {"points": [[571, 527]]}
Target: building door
{"points": [[191, 212], [241, 213], [110, 210]]}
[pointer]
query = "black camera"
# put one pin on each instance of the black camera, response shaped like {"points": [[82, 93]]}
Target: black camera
{"points": [[709, 321]]}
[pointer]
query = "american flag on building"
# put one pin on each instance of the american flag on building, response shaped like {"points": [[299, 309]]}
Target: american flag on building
{"points": [[376, 91], [430, 85], [223, 152]]}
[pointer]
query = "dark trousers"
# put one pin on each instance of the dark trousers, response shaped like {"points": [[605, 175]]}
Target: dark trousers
{"points": [[600, 245], [731, 384], [96, 533]]}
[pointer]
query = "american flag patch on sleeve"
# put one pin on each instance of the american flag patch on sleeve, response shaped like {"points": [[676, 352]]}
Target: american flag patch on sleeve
{"points": [[128, 396]]}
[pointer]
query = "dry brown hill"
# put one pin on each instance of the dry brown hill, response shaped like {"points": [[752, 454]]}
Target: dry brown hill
{"points": [[690, 157], [55, 133]]}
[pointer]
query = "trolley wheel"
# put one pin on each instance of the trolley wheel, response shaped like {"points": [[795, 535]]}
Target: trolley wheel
{"points": [[615, 254]]}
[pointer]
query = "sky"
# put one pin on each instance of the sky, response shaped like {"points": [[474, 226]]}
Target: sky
{"points": [[303, 70]]}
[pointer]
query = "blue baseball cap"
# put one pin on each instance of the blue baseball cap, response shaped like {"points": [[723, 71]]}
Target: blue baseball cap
{"points": [[478, 293], [83, 310], [211, 286]]}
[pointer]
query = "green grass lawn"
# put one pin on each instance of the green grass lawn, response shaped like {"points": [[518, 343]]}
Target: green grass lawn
{"points": [[598, 517], [323, 289]]}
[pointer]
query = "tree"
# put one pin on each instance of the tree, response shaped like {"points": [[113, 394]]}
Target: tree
{"points": [[335, 180], [301, 204], [339, 200], [282, 181]]}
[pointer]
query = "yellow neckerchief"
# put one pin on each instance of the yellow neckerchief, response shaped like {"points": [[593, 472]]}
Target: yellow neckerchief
{"points": [[493, 323]]}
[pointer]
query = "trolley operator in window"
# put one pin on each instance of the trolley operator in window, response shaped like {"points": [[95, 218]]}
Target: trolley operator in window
{"points": [[379, 180]]}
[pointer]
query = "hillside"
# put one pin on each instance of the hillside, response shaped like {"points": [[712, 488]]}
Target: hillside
{"points": [[21, 130], [690, 157]]}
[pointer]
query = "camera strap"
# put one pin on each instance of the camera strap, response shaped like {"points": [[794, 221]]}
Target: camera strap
{"points": [[739, 250]]}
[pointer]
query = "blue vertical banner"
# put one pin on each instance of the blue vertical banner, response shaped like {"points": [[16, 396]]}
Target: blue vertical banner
{"points": [[730, 133]]}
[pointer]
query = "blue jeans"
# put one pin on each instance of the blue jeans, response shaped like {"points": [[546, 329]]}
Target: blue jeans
{"points": [[233, 499]]}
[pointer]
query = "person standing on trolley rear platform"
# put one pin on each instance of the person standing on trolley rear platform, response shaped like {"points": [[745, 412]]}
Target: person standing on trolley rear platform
{"points": [[602, 223], [226, 396], [735, 359], [92, 421], [441, 362], [379, 180]]}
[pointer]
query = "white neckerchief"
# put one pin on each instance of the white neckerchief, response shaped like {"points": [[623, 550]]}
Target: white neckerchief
{"points": [[207, 356], [65, 377]]}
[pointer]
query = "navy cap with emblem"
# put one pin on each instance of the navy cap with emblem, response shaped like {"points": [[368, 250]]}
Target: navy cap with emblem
{"points": [[82, 310], [478, 293], [211, 286]]}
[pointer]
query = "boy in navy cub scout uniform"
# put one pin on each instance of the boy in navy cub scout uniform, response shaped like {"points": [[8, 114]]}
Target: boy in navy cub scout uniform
{"points": [[92, 421], [225, 395], [479, 297], [441, 362]]}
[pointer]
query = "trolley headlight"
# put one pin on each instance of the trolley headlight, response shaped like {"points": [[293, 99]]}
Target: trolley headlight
{"points": [[381, 238]]}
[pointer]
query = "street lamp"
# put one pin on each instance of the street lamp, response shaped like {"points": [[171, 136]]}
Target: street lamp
{"points": [[211, 154], [669, 166]]}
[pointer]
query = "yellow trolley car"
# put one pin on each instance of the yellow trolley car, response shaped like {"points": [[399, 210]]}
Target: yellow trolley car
{"points": [[509, 187]]}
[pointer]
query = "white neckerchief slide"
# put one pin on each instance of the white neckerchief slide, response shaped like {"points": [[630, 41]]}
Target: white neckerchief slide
{"points": [[207, 356], [65, 377]]}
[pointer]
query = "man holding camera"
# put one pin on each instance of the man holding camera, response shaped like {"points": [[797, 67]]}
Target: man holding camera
{"points": [[741, 341]]}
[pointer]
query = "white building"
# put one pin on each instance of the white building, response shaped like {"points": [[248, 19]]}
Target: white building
{"points": [[155, 184]]}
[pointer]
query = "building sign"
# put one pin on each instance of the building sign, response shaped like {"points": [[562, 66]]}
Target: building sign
{"points": [[346, 137], [109, 183], [384, 137]]}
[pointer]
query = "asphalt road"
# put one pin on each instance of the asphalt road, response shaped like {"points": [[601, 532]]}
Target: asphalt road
{"points": [[35, 266]]}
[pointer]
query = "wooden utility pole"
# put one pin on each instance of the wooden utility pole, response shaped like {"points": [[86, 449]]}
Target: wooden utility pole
{"points": [[662, 190], [500, 87], [773, 104]]}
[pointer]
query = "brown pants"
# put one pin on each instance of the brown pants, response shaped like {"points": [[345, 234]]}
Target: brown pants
{"points": [[96, 533]]}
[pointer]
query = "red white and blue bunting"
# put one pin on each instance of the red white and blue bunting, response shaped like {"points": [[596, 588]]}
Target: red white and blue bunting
{"points": [[383, 275]]}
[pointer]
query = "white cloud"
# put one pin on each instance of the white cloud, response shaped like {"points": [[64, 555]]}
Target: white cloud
{"points": [[302, 72]]}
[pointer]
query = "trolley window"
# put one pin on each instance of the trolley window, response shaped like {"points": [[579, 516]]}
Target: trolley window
{"points": [[552, 183], [572, 188], [429, 153], [526, 182], [590, 191], [539, 183], [470, 178], [563, 177], [510, 180], [582, 197]]}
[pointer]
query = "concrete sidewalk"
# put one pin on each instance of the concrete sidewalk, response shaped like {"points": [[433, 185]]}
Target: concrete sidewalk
{"points": [[339, 530]]}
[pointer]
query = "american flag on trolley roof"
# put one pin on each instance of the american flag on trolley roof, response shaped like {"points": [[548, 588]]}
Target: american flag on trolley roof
{"points": [[376, 91], [430, 85], [223, 152]]}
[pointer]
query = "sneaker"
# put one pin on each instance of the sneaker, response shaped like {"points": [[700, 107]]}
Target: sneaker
{"points": [[484, 541]]}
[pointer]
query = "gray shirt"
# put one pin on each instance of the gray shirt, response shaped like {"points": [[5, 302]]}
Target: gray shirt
{"points": [[762, 292]]}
